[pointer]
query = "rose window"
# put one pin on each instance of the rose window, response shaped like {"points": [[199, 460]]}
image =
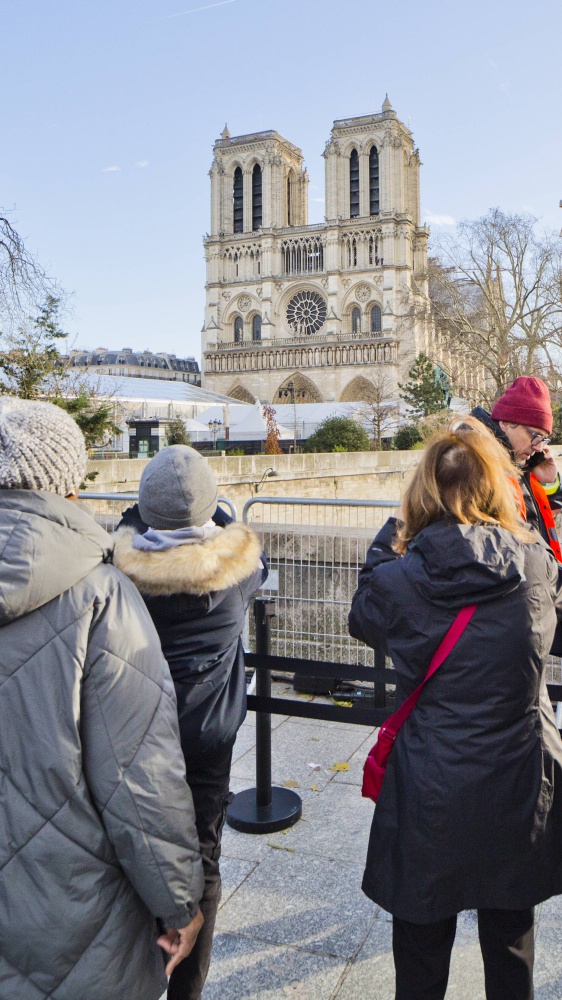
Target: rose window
{"points": [[306, 312]]}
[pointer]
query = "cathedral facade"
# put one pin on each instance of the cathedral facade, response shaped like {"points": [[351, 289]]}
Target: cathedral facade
{"points": [[316, 313]]}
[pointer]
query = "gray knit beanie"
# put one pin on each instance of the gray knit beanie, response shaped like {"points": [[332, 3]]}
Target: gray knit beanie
{"points": [[177, 489], [41, 447]]}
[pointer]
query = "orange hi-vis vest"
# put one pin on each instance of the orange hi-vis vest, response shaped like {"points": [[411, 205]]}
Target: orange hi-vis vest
{"points": [[545, 511]]}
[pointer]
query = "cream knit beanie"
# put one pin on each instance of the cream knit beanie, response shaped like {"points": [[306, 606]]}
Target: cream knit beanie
{"points": [[41, 447]]}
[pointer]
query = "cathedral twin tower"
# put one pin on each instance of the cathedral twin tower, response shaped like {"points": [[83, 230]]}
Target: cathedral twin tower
{"points": [[315, 313]]}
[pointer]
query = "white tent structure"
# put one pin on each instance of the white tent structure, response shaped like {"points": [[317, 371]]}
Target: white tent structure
{"points": [[246, 422], [196, 430], [253, 426]]}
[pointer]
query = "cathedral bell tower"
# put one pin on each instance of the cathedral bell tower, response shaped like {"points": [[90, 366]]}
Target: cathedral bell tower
{"points": [[257, 183], [315, 313]]}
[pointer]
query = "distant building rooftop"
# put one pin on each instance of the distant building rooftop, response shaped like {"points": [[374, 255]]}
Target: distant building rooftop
{"points": [[129, 387], [143, 364]]}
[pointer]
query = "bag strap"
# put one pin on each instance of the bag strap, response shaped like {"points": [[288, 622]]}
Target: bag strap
{"points": [[447, 644]]}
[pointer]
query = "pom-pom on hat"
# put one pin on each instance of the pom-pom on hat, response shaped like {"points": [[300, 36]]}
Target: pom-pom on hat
{"points": [[525, 401], [177, 489], [41, 447]]}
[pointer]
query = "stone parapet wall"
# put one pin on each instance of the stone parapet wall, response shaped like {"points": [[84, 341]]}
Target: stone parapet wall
{"points": [[353, 475], [371, 475]]}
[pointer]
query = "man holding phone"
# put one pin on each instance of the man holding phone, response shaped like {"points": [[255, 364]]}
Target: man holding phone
{"points": [[522, 420]]}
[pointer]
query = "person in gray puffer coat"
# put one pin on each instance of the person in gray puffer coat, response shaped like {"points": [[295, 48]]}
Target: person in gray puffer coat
{"points": [[98, 847]]}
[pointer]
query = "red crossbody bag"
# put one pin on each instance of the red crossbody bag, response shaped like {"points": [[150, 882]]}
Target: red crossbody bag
{"points": [[375, 765]]}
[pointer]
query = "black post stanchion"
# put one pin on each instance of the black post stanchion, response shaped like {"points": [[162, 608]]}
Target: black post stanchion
{"points": [[380, 686], [264, 610], [265, 808]]}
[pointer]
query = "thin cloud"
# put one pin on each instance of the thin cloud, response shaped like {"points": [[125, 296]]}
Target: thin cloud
{"points": [[318, 199], [141, 164], [110, 170], [439, 220], [193, 10], [501, 82]]}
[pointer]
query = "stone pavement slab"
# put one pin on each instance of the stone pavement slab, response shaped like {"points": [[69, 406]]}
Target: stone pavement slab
{"points": [[323, 912], [293, 921], [336, 825], [233, 872], [548, 950], [294, 746], [243, 969]]}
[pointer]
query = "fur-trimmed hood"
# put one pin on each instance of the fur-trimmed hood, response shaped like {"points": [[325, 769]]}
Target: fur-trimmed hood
{"points": [[200, 568]]}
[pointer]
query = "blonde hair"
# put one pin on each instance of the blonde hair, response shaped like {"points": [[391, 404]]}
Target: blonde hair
{"points": [[466, 475]]}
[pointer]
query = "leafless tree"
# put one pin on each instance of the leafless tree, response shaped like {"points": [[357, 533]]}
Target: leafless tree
{"points": [[23, 282], [380, 406], [496, 294]]}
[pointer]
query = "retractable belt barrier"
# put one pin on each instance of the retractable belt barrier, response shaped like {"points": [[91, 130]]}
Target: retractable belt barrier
{"points": [[268, 808]]}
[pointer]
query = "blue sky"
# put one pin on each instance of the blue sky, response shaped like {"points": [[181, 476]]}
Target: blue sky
{"points": [[112, 107]]}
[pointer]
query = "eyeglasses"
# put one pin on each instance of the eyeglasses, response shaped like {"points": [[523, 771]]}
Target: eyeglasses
{"points": [[536, 436]]}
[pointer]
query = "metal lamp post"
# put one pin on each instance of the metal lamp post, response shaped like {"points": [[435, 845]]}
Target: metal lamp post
{"points": [[290, 390], [214, 426]]}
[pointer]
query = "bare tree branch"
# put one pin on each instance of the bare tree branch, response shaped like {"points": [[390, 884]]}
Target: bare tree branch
{"points": [[23, 282], [496, 292]]}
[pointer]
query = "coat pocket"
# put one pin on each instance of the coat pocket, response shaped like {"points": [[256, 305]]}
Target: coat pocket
{"points": [[544, 799]]}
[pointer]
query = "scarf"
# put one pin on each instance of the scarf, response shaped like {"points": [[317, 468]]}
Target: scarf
{"points": [[159, 541]]}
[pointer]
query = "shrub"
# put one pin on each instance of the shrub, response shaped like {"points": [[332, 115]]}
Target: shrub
{"points": [[338, 434], [407, 437]]}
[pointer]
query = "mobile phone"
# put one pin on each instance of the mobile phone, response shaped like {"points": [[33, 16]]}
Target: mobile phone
{"points": [[535, 459]]}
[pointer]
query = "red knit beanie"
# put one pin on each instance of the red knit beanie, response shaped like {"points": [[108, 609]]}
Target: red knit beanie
{"points": [[525, 401]]}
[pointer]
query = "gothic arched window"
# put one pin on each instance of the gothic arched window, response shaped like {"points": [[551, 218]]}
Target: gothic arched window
{"points": [[376, 320], [374, 203], [356, 320], [354, 184], [238, 201], [238, 329], [256, 197], [289, 199], [256, 328]]}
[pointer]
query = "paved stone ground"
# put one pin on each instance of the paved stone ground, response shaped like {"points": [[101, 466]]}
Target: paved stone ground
{"points": [[293, 921]]}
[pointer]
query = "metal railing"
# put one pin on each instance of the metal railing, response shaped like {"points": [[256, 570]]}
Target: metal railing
{"points": [[315, 549], [108, 508]]}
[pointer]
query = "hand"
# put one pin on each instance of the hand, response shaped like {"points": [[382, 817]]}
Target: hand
{"points": [[178, 942], [546, 472]]}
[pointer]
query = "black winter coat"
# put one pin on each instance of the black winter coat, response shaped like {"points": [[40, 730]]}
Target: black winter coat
{"points": [[470, 812], [197, 596]]}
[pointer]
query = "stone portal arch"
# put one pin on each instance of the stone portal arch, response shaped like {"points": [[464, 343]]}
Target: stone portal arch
{"points": [[359, 390], [298, 389], [239, 392]]}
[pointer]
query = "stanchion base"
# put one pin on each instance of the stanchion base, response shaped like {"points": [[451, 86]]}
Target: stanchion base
{"points": [[245, 815]]}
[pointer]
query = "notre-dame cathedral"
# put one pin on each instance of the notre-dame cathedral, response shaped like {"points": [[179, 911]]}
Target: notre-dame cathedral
{"points": [[316, 313]]}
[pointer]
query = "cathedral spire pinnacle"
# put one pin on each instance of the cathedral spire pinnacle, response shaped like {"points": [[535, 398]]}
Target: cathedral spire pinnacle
{"points": [[225, 134], [387, 106]]}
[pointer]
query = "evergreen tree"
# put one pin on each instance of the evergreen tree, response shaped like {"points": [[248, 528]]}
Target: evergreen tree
{"points": [[424, 392], [176, 433], [93, 416], [31, 355], [32, 367]]}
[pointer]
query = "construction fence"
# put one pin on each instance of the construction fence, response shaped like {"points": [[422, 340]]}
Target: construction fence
{"points": [[315, 549]]}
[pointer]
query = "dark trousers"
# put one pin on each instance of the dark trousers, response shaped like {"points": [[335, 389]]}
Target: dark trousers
{"points": [[422, 955], [208, 777]]}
